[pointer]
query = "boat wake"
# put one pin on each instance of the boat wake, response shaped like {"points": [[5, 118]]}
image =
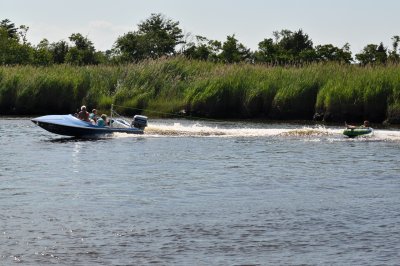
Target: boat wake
{"points": [[389, 135], [226, 130], [234, 130]]}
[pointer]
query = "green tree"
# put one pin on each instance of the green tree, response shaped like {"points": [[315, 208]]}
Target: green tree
{"points": [[215, 47], [267, 52], [162, 35], [23, 31], [294, 42], [42, 55], [233, 51], [131, 47], [203, 49], [307, 56], [11, 51], [102, 57], [59, 51], [394, 55], [344, 54], [372, 54], [330, 53], [294, 47], [381, 54], [156, 37], [83, 53], [10, 28]]}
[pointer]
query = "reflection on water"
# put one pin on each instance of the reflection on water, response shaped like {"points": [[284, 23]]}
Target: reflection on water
{"points": [[75, 157], [190, 193], [76, 139]]}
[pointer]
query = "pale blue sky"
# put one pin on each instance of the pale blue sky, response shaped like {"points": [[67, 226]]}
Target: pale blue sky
{"points": [[358, 22]]}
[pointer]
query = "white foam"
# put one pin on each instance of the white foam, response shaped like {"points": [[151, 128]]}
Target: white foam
{"points": [[390, 135], [203, 130], [310, 133], [234, 130]]}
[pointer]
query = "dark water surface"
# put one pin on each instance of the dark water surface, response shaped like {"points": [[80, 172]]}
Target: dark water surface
{"points": [[190, 193]]}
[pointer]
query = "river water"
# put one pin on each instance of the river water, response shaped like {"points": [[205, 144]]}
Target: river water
{"points": [[200, 193]]}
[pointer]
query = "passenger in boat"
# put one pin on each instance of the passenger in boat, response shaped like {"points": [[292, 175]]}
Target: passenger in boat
{"points": [[83, 114], [102, 121], [365, 125], [93, 116]]}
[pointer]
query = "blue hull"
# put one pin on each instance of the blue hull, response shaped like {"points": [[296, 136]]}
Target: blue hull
{"points": [[69, 125]]}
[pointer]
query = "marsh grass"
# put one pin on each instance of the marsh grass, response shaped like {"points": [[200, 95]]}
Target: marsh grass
{"points": [[169, 86]]}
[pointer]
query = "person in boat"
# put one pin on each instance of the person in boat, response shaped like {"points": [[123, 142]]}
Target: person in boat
{"points": [[102, 121], [365, 125], [83, 114], [93, 116]]}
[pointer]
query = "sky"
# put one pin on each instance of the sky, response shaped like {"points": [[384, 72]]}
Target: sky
{"points": [[358, 22]]}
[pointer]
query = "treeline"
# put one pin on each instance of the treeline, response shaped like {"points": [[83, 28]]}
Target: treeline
{"points": [[157, 68], [159, 36], [180, 86]]}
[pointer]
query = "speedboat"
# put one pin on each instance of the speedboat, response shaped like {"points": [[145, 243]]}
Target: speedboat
{"points": [[69, 125], [353, 132]]}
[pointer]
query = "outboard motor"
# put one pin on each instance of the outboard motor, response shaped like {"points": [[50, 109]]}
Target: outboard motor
{"points": [[139, 121]]}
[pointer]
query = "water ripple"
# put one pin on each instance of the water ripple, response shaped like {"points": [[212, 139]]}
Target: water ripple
{"points": [[218, 193]]}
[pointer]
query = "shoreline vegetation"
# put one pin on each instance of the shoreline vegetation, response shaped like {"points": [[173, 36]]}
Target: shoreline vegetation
{"points": [[330, 92], [157, 70]]}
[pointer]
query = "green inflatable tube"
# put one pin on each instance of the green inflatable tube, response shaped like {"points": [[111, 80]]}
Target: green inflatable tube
{"points": [[355, 132]]}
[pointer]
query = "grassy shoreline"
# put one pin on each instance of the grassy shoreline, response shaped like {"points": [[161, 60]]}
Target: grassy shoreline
{"points": [[329, 92]]}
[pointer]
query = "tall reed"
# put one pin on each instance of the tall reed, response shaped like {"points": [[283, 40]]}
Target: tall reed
{"points": [[169, 86]]}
